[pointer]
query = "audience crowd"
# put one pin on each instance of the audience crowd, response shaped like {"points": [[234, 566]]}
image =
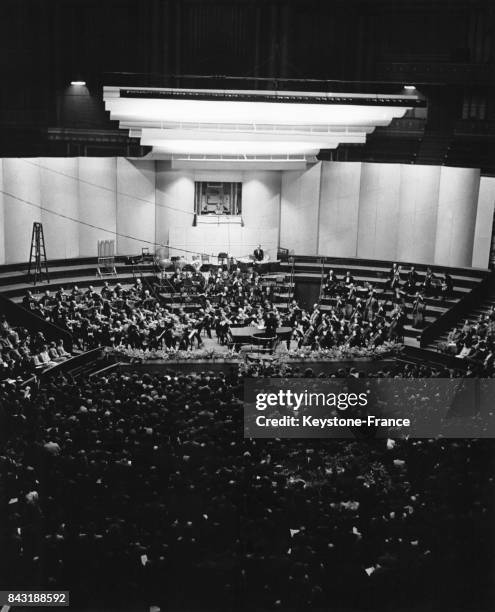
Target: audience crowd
{"points": [[22, 352], [474, 341], [137, 485]]}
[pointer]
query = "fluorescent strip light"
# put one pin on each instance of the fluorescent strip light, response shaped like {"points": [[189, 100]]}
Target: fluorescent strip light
{"points": [[247, 128], [154, 137], [224, 147]]}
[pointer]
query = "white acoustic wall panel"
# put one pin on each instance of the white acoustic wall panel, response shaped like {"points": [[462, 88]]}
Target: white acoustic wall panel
{"points": [[417, 222], [300, 199], [2, 218], [267, 237], [174, 202], [135, 205], [457, 203], [378, 211], [214, 239], [261, 211], [423, 214], [218, 176], [60, 197], [22, 198], [97, 202], [339, 208], [178, 240], [484, 223], [175, 208]]}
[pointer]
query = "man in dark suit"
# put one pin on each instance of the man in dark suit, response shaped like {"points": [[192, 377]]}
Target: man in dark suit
{"points": [[258, 253]]}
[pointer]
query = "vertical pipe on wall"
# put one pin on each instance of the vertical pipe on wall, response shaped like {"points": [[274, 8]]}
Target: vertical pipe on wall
{"points": [[178, 40], [257, 38], [318, 214]]}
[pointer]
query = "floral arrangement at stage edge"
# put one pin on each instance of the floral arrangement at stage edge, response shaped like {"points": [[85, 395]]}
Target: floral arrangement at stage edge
{"points": [[299, 354]]}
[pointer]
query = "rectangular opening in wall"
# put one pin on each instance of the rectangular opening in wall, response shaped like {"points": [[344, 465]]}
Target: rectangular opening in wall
{"points": [[217, 199]]}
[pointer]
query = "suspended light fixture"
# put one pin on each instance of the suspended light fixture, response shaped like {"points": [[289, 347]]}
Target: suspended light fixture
{"points": [[240, 122]]}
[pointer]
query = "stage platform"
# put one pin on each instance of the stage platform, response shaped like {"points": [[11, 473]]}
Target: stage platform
{"points": [[306, 277]]}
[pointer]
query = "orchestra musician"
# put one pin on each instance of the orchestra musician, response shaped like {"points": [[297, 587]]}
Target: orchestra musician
{"points": [[258, 253], [411, 280], [397, 321], [395, 280], [331, 282], [446, 287], [370, 306], [429, 283], [348, 280], [418, 310]]}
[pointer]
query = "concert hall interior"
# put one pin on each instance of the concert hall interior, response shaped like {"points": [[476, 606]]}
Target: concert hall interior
{"points": [[201, 195]]}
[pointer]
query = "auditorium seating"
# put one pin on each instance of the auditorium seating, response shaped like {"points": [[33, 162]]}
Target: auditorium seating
{"points": [[472, 316], [152, 468]]}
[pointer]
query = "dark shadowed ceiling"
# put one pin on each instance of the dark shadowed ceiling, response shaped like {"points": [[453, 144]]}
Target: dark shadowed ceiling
{"points": [[445, 47]]}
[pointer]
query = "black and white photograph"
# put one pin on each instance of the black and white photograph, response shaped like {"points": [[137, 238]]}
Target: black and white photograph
{"points": [[247, 305]]}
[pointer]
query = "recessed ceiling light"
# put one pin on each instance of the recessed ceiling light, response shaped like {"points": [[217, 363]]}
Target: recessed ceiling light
{"points": [[78, 82]]}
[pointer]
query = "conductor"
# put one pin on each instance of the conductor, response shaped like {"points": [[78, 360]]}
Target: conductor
{"points": [[258, 253]]}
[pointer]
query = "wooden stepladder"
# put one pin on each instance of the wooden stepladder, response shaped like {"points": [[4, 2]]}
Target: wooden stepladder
{"points": [[38, 265]]}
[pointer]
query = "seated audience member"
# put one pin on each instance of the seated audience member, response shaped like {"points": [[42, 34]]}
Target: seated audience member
{"points": [[20, 352], [466, 350], [453, 340]]}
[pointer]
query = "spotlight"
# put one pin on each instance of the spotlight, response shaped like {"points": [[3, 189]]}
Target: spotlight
{"points": [[78, 82], [409, 87]]}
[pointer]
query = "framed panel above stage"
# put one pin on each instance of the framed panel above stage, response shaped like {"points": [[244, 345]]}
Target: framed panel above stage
{"points": [[217, 198]]}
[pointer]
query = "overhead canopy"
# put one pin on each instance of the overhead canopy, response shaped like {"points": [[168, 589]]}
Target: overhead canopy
{"points": [[249, 126]]}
